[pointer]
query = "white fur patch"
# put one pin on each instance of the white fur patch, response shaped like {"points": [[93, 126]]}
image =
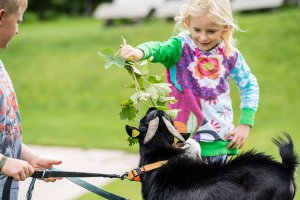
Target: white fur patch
{"points": [[192, 149]]}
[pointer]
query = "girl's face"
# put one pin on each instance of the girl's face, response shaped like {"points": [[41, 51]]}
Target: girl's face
{"points": [[9, 26], [205, 33]]}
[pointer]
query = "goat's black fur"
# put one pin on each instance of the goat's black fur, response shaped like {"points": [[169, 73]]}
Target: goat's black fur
{"points": [[249, 176]]}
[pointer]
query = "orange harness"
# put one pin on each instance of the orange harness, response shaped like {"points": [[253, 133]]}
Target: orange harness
{"points": [[134, 175]]}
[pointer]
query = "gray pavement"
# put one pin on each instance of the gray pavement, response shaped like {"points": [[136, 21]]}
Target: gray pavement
{"points": [[76, 159]]}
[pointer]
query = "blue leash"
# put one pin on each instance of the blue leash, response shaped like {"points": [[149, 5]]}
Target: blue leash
{"points": [[82, 183]]}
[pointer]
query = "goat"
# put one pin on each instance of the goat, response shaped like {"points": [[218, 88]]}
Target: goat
{"points": [[248, 176]]}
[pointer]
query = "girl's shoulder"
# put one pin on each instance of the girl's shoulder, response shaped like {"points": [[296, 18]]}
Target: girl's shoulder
{"points": [[1, 64], [185, 38], [236, 53], [184, 35]]}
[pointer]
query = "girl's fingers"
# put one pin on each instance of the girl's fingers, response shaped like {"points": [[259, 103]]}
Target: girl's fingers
{"points": [[242, 143], [229, 136], [232, 143], [126, 54], [237, 143]]}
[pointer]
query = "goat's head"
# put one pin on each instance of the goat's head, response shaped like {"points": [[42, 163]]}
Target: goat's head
{"points": [[156, 128]]}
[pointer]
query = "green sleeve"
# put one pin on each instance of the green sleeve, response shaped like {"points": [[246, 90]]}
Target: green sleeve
{"points": [[168, 52], [247, 116]]}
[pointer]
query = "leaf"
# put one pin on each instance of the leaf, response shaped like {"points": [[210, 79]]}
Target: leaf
{"points": [[160, 103], [124, 40], [132, 141], [140, 81], [144, 70], [164, 88], [137, 71], [129, 66], [163, 108], [106, 52], [111, 59], [159, 89], [143, 62], [155, 79], [139, 96], [153, 92], [192, 123], [128, 112], [172, 100], [172, 113], [126, 103]]}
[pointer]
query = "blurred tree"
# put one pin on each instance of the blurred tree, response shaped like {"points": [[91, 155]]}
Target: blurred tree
{"points": [[47, 9]]}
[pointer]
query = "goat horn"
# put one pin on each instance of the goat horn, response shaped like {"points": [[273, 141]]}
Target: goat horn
{"points": [[173, 130], [152, 128]]}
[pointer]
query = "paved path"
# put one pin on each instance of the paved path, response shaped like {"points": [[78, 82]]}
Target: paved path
{"points": [[76, 159]]}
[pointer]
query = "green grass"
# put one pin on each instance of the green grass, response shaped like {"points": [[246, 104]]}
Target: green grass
{"points": [[67, 98]]}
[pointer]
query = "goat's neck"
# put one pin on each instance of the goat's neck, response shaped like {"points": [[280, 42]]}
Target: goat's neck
{"points": [[148, 156]]}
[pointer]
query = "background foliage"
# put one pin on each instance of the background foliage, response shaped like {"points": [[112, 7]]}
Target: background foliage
{"points": [[48, 9], [67, 98]]}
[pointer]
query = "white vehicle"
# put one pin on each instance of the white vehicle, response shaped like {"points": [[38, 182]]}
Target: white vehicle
{"points": [[170, 9], [138, 10], [246, 5], [127, 9]]}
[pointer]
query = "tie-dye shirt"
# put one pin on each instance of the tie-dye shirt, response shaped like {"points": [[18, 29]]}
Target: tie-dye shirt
{"points": [[200, 82], [10, 126]]}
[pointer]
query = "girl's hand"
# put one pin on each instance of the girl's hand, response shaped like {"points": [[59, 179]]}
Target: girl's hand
{"points": [[238, 136], [45, 163], [128, 52], [19, 170]]}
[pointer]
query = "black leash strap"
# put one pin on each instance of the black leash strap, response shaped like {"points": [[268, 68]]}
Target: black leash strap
{"points": [[56, 174], [6, 188], [71, 176]]}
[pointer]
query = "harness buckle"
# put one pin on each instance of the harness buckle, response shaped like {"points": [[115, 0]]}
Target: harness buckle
{"points": [[134, 175]]}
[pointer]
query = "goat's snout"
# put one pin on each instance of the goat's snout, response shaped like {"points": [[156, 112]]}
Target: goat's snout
{"points": [[191, 148]]}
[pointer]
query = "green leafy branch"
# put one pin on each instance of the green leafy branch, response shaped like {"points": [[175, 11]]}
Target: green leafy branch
{"points": [[149, 90]]}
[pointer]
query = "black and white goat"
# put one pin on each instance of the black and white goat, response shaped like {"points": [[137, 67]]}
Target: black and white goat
{"points": [[249, 176]]}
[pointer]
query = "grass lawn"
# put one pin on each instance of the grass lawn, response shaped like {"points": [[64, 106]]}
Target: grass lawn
{"points": [[67, 98]]}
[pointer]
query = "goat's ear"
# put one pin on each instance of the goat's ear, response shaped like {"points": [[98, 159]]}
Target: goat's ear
{"points": [[132, 131], [185, 135]]}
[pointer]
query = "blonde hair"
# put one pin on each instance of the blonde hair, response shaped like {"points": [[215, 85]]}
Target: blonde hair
{"points": [[219, 11], [13, 6]]}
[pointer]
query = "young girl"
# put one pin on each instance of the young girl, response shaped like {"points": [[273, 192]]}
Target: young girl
{"points": [[199, 63]]}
